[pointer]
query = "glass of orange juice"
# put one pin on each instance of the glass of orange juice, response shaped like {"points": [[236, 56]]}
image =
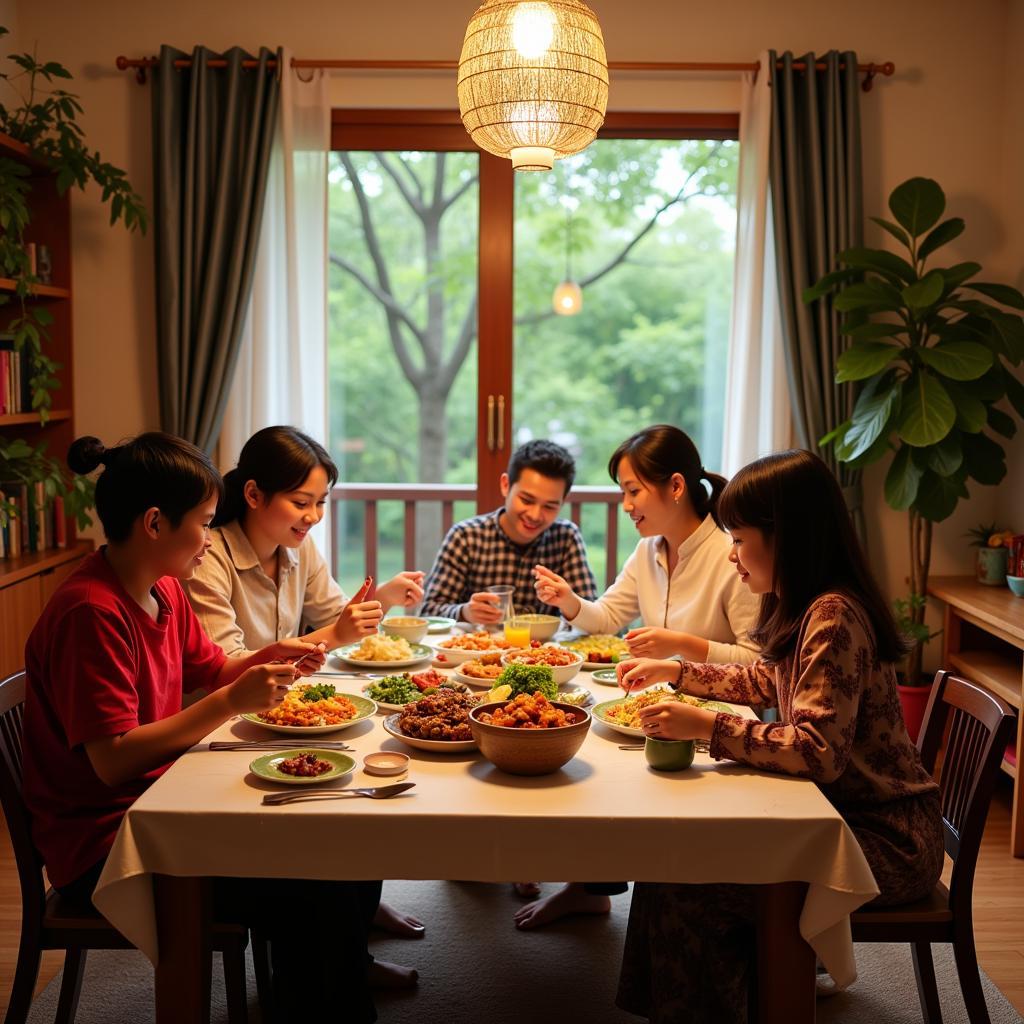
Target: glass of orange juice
{"points": [[517, 633]]}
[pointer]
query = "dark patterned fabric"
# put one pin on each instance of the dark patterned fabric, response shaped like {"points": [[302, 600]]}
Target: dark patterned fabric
{"points": [[477, 554], [689, 954]]}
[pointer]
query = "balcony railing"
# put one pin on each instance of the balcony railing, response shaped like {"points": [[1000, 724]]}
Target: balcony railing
{"points": [[413, 495]]}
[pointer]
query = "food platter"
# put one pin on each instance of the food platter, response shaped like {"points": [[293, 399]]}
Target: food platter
{"points": [[365, 708], [385, 706], [437, 746], [266, 766], [600, 710], [421, 653], [616, 648]]}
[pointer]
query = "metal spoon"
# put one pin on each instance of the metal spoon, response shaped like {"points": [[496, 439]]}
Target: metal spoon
{"points": [[374, 792]]}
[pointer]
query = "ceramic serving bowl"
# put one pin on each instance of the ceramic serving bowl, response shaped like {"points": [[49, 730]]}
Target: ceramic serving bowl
{"points": [[408, 627], [542, 627], [529, 751], [1016, 584], [560, 673]]}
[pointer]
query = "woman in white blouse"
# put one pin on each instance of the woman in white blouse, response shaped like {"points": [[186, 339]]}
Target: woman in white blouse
{"points": [[263, 579], [678, 582]]}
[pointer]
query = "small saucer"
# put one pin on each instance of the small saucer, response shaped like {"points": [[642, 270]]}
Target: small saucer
{"points": [[386, 762]]}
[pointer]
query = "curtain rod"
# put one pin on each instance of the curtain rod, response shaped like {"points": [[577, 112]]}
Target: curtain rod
{"points": [[142, 63]]}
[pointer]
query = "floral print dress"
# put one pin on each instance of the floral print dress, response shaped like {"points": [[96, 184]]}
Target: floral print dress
{"points": [[689, 947]]}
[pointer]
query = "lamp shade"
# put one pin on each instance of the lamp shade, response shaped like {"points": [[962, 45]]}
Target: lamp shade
{"points": [[533, 80], [567, 299]]}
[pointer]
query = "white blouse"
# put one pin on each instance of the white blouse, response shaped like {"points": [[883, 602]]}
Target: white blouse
{"points": [[704, 596]]}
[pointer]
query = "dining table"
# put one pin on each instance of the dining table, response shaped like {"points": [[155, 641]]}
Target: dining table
{"points": [[605, 813]]}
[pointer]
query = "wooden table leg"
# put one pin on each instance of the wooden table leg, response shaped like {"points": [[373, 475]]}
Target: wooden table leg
{"points": [[183, 913], [785, 963]]}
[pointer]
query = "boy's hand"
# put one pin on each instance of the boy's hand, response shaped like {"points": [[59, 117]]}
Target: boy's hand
{"points": [[306, 657], [260, 688], [405, 589]]}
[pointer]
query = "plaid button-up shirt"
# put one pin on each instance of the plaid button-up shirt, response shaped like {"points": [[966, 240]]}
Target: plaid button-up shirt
{"points": [[477, 554]]}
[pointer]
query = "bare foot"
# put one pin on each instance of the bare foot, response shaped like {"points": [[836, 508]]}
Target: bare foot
{"points": [[527, 890], [570, 899], [394, 921], [382, 974]]}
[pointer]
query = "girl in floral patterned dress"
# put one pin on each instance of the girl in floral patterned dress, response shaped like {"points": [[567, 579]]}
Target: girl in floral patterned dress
{"points": [[829, 649]]}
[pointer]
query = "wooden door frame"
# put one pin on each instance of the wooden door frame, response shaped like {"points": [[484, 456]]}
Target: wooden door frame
{"points": [[442, 130]]}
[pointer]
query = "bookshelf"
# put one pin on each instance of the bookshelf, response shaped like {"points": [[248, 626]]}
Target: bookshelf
{"points": [[983, 640], [28, 578]]}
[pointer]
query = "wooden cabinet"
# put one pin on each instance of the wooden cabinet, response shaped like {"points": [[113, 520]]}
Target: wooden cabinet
{"points": [[25, 587], [983, 640]]}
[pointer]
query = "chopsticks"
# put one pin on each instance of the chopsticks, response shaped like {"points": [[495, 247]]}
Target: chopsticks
{"points": [[276, 744]]}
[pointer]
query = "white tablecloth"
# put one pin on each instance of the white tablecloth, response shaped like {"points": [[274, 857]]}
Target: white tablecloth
{"points": [[605, 816]]}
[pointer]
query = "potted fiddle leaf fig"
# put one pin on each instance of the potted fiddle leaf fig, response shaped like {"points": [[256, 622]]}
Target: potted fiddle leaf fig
{"points": [[935, 351]]}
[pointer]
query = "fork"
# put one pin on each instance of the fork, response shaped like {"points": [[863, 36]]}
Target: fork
{"points": [[374, 792]]}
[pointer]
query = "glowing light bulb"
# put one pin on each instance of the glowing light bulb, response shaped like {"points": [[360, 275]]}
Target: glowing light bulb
{"points": [[533, 28], [567, 299]]}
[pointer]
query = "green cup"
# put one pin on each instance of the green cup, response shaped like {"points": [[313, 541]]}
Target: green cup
{"points": [[668, 755]]}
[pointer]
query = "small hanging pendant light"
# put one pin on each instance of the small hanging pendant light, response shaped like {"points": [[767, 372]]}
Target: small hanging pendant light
{"points": [[533, 80], [567, 299]]}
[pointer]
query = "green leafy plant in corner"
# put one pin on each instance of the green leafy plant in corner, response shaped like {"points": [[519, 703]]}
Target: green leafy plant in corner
{"points": [[932, 349], [43, 117]]}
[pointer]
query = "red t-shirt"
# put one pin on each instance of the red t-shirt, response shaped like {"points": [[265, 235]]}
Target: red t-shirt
{"points": [[97, 665]]}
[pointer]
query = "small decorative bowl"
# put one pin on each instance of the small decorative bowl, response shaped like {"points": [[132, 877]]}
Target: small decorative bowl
{"points": [[529, 751], [408, 627], [1016, 584], [386, 762]]}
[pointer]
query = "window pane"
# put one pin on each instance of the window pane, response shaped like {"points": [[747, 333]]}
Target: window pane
{"points": [[652, 227], [401, 334]]}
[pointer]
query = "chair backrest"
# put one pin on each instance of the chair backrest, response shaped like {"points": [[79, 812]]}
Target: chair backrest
{"points": [[19, 825], [970, 728]]}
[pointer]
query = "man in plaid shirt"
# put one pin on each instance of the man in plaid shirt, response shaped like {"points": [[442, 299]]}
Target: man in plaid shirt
{"points": [[502, 547]]}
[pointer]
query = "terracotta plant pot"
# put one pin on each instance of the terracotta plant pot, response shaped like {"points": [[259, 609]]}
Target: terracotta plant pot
{"points": [[913, 700]]}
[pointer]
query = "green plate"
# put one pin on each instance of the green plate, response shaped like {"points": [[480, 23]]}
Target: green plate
{"points": [[439, 623], [420, 652], [266, 766], [606, 676], [365, 708], [599, 711]]}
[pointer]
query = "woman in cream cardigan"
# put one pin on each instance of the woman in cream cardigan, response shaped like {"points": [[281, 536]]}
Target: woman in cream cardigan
{"points": [[678, 582]]}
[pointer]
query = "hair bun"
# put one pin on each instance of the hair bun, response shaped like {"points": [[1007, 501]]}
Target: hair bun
{"points": [[86, 453]]}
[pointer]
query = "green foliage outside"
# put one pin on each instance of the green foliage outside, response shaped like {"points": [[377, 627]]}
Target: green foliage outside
{"points": [[652, 246]]}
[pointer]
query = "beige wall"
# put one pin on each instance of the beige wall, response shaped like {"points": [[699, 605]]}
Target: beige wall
{"points": [[952, 112]]}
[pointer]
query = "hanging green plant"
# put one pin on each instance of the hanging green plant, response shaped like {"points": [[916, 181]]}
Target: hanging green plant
{"points": [[932, 349], [43, 117]]}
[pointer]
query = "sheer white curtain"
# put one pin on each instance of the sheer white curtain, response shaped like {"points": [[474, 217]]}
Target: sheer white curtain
{"points": [[282, 365], [757, 419]]}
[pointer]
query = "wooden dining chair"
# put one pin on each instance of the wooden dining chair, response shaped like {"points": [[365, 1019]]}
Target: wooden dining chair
{"points": [[970, 727], [47, 921]]}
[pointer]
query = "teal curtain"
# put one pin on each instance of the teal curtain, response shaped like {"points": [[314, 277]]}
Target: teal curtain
{"points": [[212, 135], [818, 210]]}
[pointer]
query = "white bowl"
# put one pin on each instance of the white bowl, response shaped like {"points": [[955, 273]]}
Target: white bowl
{"points": [[457, 655], [542, 627], [560, 673], [409, 627]]}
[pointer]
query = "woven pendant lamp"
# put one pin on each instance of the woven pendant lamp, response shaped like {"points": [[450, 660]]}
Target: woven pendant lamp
{"points": [[533, 80]]}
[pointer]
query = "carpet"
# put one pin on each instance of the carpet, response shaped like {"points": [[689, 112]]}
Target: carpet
{"points": [[475, 967]]}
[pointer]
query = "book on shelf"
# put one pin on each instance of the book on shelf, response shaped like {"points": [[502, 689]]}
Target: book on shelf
{"points": [[15, 387], [34, 525]]}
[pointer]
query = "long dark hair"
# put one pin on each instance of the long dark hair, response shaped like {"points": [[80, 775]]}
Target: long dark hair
{"points": [[155, 470], [795, 500], [659, 451], [277, 459]]}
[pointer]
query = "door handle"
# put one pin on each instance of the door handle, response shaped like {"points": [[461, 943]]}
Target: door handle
{"points": [[490, 423], [501, 423]]}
